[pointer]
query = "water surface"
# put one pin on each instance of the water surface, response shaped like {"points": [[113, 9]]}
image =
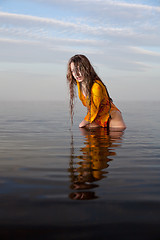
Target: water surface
{"points": [[57, 182]]}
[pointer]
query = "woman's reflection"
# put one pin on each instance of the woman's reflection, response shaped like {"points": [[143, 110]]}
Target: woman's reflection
{"points": [[99, 147]]}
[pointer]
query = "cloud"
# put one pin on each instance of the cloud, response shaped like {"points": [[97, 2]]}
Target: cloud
{"points": [[107, 8], [27, 51], [117, 36], [122, 58], [33, 38], [41, 27], [27, 21], [101, 2]]}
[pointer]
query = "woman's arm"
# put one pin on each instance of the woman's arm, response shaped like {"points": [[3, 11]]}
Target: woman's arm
{"points": [[96, 98]]}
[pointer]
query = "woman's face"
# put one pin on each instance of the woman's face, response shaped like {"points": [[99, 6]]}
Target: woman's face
{"points": [[77, 75]]}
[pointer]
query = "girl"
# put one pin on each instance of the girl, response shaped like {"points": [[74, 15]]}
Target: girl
{"points": [[93, 94]]}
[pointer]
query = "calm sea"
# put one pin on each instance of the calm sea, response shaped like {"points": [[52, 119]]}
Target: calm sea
{"points": [[61, 183]]}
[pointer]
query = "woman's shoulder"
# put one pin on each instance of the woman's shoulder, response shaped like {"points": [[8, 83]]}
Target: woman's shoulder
{"points": [[97, 87]]}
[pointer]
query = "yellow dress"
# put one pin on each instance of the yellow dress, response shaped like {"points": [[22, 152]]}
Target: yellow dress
{"points": [[100, 108]]}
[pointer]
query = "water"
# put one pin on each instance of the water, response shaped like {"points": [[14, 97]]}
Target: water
{"points": [[57, 183]]}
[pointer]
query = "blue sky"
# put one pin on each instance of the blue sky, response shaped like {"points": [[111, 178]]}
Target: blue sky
{"points": [[37, 38]]}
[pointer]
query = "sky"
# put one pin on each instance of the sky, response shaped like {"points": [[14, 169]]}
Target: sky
{"points": [[120, 38]]}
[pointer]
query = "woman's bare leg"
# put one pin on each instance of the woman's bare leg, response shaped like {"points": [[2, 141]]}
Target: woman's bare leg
{"points": [[116, 122]]}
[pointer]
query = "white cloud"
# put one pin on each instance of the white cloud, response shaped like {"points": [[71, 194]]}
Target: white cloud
{"points": [[38, 27], [101, 2], [27, 21], [107, 9], [45, 51], [112, 33]]}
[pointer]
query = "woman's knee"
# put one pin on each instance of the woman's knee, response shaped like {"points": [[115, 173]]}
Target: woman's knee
{"points": [[116, 121]]}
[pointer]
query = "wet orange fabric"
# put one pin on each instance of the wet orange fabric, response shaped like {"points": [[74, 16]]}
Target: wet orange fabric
{"points": [[99, 110]]}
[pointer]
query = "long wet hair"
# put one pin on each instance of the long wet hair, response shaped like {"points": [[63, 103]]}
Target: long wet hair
{"points": [[82, 65]]}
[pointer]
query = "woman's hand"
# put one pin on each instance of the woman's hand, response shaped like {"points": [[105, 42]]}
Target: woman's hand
{"points": [[84, 123]]}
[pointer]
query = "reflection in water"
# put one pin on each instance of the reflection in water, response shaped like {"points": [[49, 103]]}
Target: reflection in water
{"points": [[99, 147]]}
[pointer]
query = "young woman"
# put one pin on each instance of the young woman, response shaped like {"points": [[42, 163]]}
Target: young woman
{"points": [[93, 94]]}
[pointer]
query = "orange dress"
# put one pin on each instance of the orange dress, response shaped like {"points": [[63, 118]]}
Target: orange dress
{"points": [[99, 109]]}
